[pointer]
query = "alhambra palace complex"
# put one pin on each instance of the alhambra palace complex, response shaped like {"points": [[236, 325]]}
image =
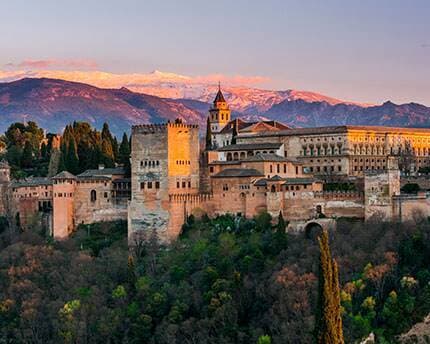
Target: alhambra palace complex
{"points": [[244, 169]]}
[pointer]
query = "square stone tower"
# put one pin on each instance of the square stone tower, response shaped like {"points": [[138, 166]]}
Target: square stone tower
{"points": [[164, 161], [63, 217]]}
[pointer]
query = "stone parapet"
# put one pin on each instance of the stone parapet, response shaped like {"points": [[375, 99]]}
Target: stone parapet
{"points": [[329, 195]]}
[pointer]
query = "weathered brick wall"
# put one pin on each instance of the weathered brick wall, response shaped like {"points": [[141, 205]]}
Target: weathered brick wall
{"points": [[100, 209]]}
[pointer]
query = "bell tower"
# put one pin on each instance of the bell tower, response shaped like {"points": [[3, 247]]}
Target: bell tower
{"points": [[219, 113]]}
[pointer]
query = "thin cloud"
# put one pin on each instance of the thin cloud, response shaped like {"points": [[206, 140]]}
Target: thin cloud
{"points": [[55, 63], [425, 45]]}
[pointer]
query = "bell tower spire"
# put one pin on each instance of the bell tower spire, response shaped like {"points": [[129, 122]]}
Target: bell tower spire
{"points": [[219, 113]]}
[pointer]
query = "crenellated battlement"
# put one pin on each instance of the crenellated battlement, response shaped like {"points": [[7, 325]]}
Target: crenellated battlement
{"points": [[162, 127], [333, 195], [197, 198]]}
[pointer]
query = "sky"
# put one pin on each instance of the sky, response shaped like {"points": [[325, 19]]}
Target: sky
{"points": [[366, 51]]}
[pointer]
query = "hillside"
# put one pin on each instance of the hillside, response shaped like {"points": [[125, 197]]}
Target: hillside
{"points": [[54, 103]]}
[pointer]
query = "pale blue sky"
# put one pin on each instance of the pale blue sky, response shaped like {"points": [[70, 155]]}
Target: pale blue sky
{"points": [[367, 50]]}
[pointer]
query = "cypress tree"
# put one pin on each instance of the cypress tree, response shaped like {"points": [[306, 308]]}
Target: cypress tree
{"points": [[72, 161], [124, 150], [328, 322], [124, 154], [62, 160], [27, 155], [235, 132], [208, 135], [107, 153]]}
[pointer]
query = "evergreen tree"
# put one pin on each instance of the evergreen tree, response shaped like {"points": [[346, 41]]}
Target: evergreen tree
{"points": [[328, 322], [108, 158], [62, 160], [208, 135], [27, 155], [72, 161], [124, 150], [235, 132], [282, 225], [44, 151], [124, 154]]}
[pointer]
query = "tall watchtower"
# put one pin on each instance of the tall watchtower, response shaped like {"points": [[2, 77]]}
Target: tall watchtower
{"points": [[164, 161], [219, 113]]}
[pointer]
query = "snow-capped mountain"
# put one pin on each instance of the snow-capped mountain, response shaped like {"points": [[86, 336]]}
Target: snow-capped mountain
{"points": [[246, 98]]}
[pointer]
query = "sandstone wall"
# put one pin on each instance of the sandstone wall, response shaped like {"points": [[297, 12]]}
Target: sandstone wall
{"points": [[63, 216]]}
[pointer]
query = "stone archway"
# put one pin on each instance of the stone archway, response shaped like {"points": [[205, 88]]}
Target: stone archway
{"points": [[314, 227], [313, 230]]}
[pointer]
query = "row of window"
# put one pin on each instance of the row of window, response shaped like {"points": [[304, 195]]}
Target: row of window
{"points": [[150, 163], [63, 194], [149, 185], [321, 151], [325, 168], [278, 168], [183, 162], [325, 139], [184, 184]]}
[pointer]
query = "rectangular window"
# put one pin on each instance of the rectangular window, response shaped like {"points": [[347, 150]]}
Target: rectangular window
{"points": [[277, 168], [285, 168], [157, 185], [178, 185], [183, 185], [189, 184], [105, 195], [149, 185], [142, 185]]}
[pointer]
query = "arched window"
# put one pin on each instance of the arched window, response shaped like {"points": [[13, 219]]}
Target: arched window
{"points": [[93, 195]]}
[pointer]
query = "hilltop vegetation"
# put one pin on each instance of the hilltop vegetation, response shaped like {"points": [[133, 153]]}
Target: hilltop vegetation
{"points": [[82, 147], [224, 281]]}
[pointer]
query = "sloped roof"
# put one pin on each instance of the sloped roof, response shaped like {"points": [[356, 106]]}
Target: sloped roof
{"points": [[219, 97], [294, 181], [253, 127], [103, 172], [238, 172], [31, 181], [250, 146], [64, 175], [269, 157]]}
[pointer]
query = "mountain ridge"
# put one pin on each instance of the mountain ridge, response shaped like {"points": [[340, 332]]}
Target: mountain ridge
{"points": [[53, 103]]}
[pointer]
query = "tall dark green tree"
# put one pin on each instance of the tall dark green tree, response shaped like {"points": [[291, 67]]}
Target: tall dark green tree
{"points": [[208, 135], [63, 155], [235, 132], [72, 161], [124, 153], [27, 155], [328, 321]]}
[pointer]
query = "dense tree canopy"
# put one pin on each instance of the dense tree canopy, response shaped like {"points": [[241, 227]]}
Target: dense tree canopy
{"points": [[82, 147], [226, 280]]}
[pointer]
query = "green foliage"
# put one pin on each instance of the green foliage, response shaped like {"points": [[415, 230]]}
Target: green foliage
{"points": [[410, 188], [264, 340], [339, 187], [328, 322], [222, 281]]}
